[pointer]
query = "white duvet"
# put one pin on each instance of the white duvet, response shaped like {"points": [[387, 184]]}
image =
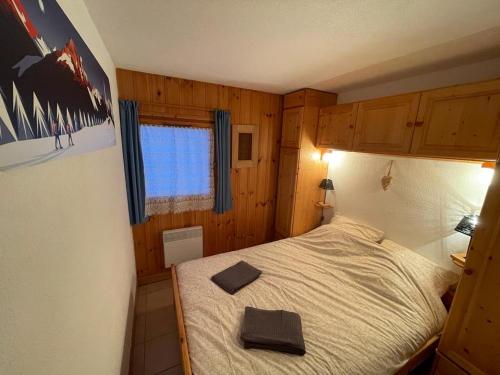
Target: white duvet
{"points": [[365, 308]]}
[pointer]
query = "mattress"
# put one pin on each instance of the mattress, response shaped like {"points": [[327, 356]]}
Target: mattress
{"points": [[365, 308]]}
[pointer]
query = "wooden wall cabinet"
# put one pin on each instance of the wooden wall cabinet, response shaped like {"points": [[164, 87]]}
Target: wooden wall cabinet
{"points": [[299, 175], [386, 125], [291, 130], [460, 122], [287, 179], [336, 126]]}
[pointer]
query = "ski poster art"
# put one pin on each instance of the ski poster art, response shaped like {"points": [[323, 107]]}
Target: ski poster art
{"points": [[55, 98]]}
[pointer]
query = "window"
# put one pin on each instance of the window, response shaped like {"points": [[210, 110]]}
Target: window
{"points": [[178, 168], [245, 146]]}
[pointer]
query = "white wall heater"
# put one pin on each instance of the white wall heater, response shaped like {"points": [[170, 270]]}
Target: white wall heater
{"points": [[181, 245]]}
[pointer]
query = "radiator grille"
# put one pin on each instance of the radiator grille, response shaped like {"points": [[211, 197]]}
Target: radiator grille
{"points": [[181, 245]]}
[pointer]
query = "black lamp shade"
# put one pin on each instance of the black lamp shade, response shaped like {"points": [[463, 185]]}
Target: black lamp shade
{"points": [[467, 225], [326, 184]]}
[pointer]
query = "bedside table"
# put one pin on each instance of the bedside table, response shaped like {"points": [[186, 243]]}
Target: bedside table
{"points": [[459, 258]]}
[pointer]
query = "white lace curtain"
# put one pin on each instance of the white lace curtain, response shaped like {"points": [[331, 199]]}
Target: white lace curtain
{"points": [[178, 169]]}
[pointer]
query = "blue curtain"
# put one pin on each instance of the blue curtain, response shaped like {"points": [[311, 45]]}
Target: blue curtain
{"points": [[132, 161], [223, 201]]}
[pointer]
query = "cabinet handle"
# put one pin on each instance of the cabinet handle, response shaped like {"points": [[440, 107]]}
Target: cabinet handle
{"points": [[351, 127], [419, 124]]}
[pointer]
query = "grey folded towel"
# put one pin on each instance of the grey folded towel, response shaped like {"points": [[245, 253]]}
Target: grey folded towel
{"points": [[276, 330], [236, 277]]}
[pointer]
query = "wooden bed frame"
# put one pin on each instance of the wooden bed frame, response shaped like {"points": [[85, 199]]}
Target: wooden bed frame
{"points": [[425, 352]]}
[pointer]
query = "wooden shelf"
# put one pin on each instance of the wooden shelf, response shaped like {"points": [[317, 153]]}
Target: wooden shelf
{"points": [[323, 205], [459, 258]]}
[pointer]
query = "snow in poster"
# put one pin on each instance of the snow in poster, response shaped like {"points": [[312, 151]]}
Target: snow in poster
{"points": [[55, 99]]}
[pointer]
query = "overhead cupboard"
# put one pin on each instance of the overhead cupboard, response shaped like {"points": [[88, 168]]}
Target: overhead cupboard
{"points": [[459, 122]]}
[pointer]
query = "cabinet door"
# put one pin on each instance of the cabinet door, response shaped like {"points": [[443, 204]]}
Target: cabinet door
{"points": [[471, 335], [292, 127], [336, 126], [386, 125], [295, 99], [459, 122], [287, 179]]}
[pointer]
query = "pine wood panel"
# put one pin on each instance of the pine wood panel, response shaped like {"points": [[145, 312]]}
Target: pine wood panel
{"points": [[386, 125], [459, 122], [309, 98], [472, 332], [310, 174], [287, 180], [300, 176], [292, 127], [336, 126], [170, 100]]}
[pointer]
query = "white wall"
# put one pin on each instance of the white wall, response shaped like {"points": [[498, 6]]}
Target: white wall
{"points": [[67, 272], [427, 197], [426, 200], [488, 69]]}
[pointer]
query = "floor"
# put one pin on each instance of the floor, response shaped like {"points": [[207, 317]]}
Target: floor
{"points": [[156, 346]]}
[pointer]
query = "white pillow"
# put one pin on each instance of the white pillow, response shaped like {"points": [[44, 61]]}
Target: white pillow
{"points": [[357, 229], [428, 272]]}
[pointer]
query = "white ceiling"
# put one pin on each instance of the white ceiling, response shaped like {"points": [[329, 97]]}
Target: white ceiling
{"points": [[283, 45]]}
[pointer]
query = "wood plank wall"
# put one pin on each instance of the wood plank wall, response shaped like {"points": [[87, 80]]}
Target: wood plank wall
{"points": [[171, 100]]}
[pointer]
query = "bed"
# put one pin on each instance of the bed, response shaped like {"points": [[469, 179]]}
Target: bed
{"points": [[366, 308]]}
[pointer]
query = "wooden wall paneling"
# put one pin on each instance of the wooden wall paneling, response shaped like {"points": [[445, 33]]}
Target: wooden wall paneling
{"points": [[236, 223], [260, 103], [251, 188], [267, 183], [125, 83], [223, 97], [165, 223], [250, 236], [241, 200], [141, 87], [169, 100], [274, 140], [186, 91], [152, 243], [210, 232], [241, 207], [139, 234], [199, 94], [173, 88], [240, 187], [211, 96], [156, 89]]}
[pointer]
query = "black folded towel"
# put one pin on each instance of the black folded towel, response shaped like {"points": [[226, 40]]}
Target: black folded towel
{"points": [[276, 330], [236, 277]]}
